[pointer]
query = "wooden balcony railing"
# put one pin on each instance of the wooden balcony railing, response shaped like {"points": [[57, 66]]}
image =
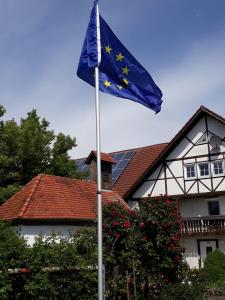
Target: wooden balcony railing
{"points": [[203, 225]]}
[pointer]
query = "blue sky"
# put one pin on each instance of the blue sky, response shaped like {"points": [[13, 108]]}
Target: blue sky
{"points": [[180, 42]]}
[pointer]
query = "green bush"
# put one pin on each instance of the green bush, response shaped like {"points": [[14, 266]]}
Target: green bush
{"points": [[181, 291], [214, 266]]}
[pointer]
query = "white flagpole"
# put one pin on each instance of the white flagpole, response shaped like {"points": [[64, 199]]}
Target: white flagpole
{"points": [[99, 180]]}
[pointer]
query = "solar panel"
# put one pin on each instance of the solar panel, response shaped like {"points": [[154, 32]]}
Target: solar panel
{"points": [[81, 166], [122, 159]]}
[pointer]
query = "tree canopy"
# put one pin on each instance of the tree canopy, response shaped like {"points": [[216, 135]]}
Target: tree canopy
{"points": [[30, 148]]}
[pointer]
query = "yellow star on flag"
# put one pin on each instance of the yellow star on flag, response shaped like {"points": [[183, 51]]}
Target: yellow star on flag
{"points": [[119, 87], [107, 83], [125, 81], [119, 57], [108, 49], [125, 70]]}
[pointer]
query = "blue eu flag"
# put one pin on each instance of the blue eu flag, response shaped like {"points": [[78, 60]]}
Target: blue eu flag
{"points": [[120, 74]]}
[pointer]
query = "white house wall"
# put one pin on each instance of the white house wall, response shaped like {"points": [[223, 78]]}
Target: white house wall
{"points": [[190, 252], [193, 208], [30, 232], [215, 126], [180, 151], [190, 245]]}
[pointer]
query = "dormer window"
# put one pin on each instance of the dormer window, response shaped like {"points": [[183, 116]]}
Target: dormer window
{"points": [[203, 169], [218, 167], [190, 171]]}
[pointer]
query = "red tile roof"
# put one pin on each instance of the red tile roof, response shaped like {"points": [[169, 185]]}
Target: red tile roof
{"points": [[140, 162], [104, 157], [48, 197]]}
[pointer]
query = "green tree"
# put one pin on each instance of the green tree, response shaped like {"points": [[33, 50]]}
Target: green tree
{"points": [[30, 148]]}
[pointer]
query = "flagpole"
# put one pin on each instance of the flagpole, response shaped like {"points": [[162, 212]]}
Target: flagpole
{"points": [[98, 150]]}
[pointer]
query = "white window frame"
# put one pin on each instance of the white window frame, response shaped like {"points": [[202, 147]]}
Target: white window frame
{"points": [[187, 165], [213, 169], [201, 163]]}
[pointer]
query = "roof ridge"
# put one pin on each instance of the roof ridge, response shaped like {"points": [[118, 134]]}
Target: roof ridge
{"points": [[67, 178], [37, 179], [138, 148], [130, 149]]}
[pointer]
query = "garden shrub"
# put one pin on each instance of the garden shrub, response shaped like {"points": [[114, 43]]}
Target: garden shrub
{"points": [[214, 266]]}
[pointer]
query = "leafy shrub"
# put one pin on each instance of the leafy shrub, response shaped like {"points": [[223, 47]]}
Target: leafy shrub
{"points": [[179, 291], [214, 266]]}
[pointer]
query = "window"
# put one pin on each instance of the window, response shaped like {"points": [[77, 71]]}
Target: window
{"points": [[218, 167], [203, 169], [190, 171], [214, 208]]}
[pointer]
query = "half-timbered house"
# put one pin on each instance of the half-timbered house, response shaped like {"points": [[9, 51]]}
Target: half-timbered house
{"points": [[191, 169]]}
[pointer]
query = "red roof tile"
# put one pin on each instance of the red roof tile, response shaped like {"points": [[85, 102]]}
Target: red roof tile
{"points": [[104, 157], [48, 197], [140, 162]]}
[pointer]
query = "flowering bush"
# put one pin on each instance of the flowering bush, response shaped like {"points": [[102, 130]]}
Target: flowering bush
{"points": [[142, 248]]}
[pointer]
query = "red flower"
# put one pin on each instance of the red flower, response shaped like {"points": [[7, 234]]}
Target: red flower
{"points": [[117, 234], [167, 201], [166, 226], [171, 246], [115, 223], [126, 224], [177, 258], [175, 237], [142, 225]]}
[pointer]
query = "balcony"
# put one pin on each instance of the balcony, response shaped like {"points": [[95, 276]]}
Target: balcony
{"points": [[203, 225]]}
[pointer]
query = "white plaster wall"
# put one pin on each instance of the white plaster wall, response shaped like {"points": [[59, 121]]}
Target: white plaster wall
{"points": [[30, 232], [222, 244], [193, 188], [144, 190], [176, 168], [221, 187], [197, 131], [222, 205], [155, 174], [198, 150], [191, 248], [191, 208], [173, 188], [159, 188], [191, 252], [217, 128], [180, 150]]}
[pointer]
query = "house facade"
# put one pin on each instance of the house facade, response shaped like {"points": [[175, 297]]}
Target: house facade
{"points": [[191, 169]]}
